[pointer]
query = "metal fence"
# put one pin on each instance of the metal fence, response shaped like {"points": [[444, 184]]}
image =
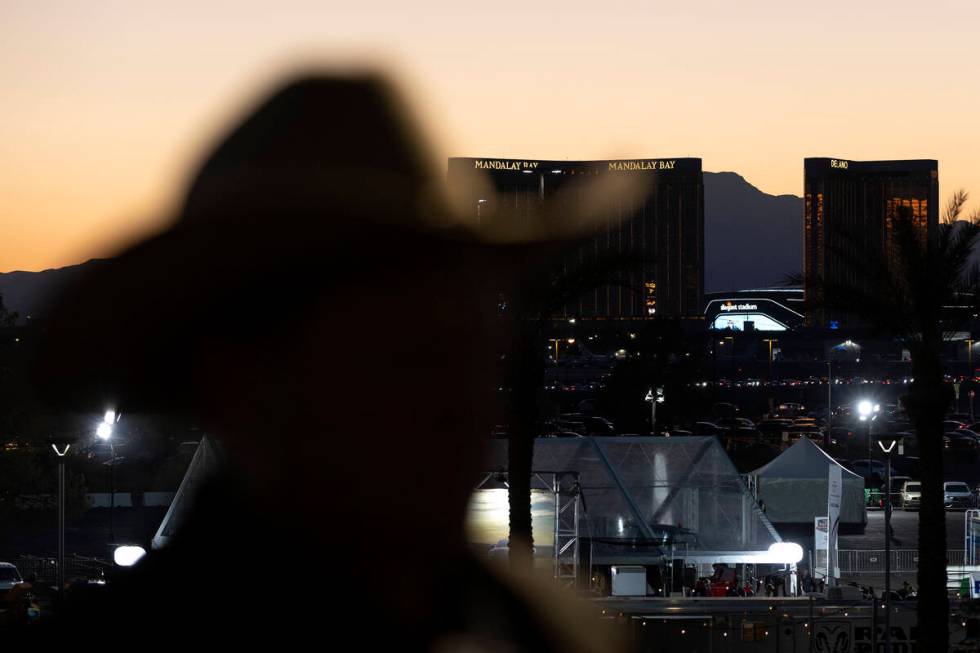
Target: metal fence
{"points": [[46, 569], [852, 561]]}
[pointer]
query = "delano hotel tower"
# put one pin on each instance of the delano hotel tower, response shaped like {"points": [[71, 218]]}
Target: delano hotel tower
{"points": [[849, 208]]}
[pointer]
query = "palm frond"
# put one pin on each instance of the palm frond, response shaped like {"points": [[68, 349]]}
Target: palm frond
{"points": [[954, 206]]}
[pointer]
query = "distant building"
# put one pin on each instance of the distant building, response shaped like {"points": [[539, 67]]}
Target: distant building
{"points": [[765, 309], [850, 207], [665, 227]]}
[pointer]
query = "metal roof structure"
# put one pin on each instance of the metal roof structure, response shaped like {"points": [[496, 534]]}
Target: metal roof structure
{"points": [[646, 498]]}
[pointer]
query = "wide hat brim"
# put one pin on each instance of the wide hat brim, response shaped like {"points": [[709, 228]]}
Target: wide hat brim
{"points": [[322, 184]]}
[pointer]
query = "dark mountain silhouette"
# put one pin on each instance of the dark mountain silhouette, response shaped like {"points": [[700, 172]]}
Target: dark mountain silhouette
{"points": [[28, 293], [751, 239]]}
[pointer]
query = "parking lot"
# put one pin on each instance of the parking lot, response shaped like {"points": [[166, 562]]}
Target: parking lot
{"points": [[905, 526]]}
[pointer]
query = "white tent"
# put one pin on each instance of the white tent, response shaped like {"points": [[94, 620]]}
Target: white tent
{"points": [[206, 458], [793, 487], [639, 492]]}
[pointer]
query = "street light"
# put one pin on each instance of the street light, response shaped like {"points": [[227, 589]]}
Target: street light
{"points": [[770, 341], [61, 446], [654, 399], [970, 375], [104, 432], [887, 444], [127, 556], [969, 357], [867, 413], [731, 357]]}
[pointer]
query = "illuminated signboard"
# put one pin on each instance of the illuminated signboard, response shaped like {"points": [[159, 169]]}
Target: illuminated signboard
{"points": [[651, 297], [642, 165], [619, 166], [728, 306], [500, 164], [838, 163]]}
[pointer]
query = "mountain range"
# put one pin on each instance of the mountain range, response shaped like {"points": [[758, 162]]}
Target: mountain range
{"points": [[752, 240]]}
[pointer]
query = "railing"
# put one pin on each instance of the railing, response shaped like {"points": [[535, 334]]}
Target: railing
{"points": [[46, 569], [851, 561]]}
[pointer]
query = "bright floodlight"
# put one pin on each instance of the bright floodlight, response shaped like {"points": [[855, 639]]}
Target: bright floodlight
{"points": [[864, 409], [785, 553], [127, 556], [110, 417], [104, 431]]}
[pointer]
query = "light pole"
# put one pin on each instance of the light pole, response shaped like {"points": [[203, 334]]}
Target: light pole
{"points": [[969, 358], [61, 447], [570, 341], [969, 376], [654, 399], [731, 358], [770, 341], [104, 432], [887, 444], [867, 413], [830, 403]]}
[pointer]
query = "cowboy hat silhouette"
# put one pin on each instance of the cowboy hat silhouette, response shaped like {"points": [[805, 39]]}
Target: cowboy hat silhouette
{"points": [[325, 181]]}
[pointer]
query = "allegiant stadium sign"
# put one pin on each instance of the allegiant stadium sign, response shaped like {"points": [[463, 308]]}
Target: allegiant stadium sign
{"points": [[728, 306]]}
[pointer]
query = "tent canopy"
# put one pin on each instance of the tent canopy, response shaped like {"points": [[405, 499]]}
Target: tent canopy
{"points": [[681, 489], [793, 487], [206, 458], [803, 460]]}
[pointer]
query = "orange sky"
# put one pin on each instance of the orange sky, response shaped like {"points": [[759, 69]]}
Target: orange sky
{"points": [[104, 105]]}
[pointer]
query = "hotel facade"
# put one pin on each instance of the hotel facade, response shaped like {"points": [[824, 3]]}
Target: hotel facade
{"points": [[849, 212], [658, 232]]}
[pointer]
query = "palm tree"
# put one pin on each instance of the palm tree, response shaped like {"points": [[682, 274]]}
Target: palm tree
{"points": [[550, 286], [7, 317], [921, 291]]}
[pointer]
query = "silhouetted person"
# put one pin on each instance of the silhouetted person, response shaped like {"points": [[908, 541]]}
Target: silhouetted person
{"points": [[311, 308]]}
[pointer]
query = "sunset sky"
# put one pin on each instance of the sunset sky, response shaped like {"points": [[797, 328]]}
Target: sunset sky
{"points": [[105, 105]]}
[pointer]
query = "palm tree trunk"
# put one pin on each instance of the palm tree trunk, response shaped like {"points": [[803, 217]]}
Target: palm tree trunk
{"points": [[526, 379], [928, 401]]}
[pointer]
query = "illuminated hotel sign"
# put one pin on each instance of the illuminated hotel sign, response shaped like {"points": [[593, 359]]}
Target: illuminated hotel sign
{"points": [[642, 165], [838, 163], [498, 164], [651, 298], [728, 306]]}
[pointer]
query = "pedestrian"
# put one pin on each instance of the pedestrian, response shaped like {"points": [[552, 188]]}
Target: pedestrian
{"points": [[313, 255], [806, 581]]}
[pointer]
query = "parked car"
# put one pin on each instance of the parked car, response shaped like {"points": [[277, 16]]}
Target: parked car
{"points": [[961, 444], [896, 489], [956, 494], [9, 576], [737, 423], [791, 409], [953, 425], [707, 428], [911, 495], [841, 435], [970, 432]]}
